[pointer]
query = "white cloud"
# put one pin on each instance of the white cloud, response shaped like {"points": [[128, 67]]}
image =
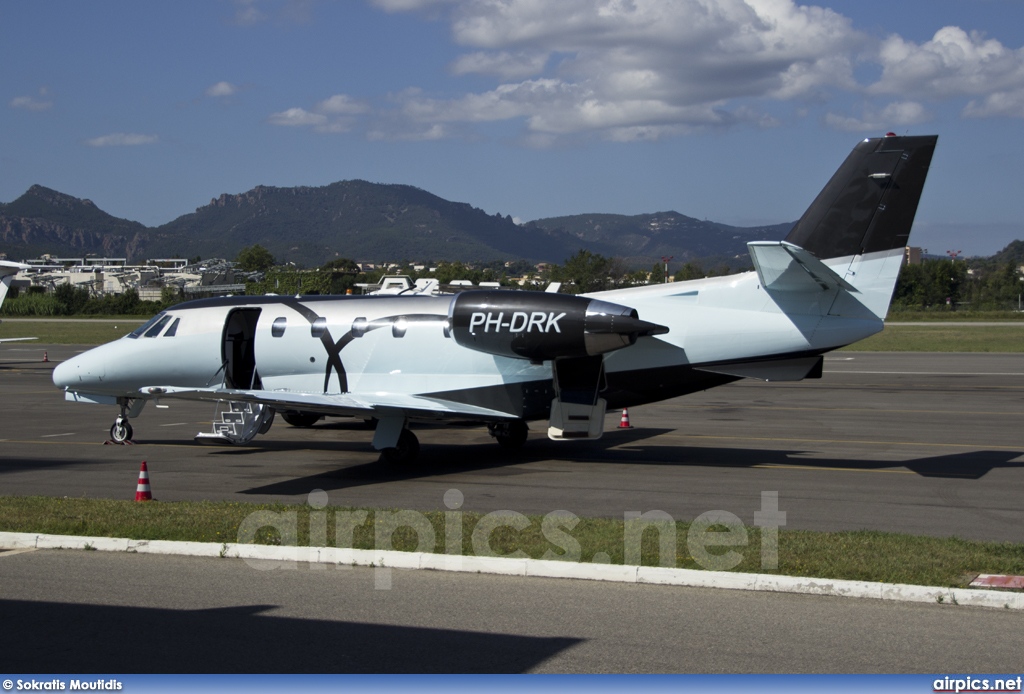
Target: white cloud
{"points": [[432, 132], [1008, 104], [892, 116], [297, 117], [952, 63], [247, 13], [408, 5], [42, 102], [122, 140], [221, 89], [341, 104], [636, 69], [335, 114], [504, 65], [645, 69]]}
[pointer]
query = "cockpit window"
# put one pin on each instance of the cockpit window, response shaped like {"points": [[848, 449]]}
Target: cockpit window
{"points": [[139, 331], [278, 328], [157, 327], [172, 331]]}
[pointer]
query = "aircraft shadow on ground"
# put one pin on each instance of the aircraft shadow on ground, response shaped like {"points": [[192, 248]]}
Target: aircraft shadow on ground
{"points": [[624, 448], [49, 637]]}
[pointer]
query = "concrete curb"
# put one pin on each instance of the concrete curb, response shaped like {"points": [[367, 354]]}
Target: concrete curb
{"points": [[511, 566]]}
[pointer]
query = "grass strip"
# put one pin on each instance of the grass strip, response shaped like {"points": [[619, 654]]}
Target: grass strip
{"points": [[939, 338], [856, 555], [953, 316], [70, 332], [895, 338]]}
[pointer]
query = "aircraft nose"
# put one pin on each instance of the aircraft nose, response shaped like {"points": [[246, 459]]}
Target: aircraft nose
{"points": [[79, 371]]}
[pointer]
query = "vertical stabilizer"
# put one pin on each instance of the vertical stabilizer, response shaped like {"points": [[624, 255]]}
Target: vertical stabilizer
{"points": [[870, 202], [7, 272]]}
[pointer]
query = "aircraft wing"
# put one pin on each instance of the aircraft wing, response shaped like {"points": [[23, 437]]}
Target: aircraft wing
{"points": [[349, 404]]}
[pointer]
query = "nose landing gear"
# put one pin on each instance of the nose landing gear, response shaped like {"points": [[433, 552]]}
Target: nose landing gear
{"points": [[121, 432]]}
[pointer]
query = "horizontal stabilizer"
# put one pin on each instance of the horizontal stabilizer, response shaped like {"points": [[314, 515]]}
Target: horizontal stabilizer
{"points": [[792, 369], [783, 267]]}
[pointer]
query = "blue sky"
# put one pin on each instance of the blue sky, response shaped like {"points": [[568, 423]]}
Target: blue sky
{"points": [[721, 109]]}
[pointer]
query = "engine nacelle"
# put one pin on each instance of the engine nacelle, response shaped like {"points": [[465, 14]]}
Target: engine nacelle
{"points": [[541, 326]]}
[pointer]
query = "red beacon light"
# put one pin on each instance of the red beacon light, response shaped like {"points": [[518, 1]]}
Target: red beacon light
{"points": [[890, 134]]}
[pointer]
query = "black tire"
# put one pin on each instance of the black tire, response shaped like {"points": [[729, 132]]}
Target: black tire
{"points": [[121, 431], [510, 435], [301, 419], [405, 452]]}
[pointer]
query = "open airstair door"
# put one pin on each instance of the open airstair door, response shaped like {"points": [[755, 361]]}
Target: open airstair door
{"points": [[577, 412], [238, 349], [239, 422]]}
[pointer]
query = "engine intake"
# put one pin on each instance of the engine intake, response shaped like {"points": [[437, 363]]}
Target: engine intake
{"points": [[539, 326]]}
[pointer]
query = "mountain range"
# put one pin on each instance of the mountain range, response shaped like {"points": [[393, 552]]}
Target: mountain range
{"points": [[362, 221]]}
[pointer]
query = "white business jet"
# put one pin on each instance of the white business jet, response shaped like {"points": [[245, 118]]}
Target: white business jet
{"points": [[506, 358]]}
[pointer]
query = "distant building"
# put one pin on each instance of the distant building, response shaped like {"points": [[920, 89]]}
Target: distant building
{"points": [[912, 255]]}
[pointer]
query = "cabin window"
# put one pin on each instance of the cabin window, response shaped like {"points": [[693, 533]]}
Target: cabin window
{"points": [[319, 327], [157, 327], [359, 327], [277, 329], [399, 327], [139, 331], [173, 330]]}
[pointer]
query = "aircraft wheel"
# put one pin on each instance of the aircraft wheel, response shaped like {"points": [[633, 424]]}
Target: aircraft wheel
{"points": [[301, 419], [511, 435], [121, 431], [405, 452]]}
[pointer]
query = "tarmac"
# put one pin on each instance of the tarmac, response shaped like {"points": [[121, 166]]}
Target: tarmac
{"points": [[920, 443], [927, 444]]}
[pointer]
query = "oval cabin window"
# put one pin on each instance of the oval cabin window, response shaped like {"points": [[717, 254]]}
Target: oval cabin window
{"points": [[319, 327]]}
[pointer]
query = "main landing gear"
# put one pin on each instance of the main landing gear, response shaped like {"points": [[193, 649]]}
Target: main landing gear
{"points": [[510, 435], [301, 419], [404, 452]]}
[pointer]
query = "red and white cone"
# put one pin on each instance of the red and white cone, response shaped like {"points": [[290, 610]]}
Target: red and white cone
{"points": [[624, 422], [46, 357], [142, 492]]}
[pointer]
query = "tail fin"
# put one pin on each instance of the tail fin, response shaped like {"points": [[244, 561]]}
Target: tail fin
{"points": [[7, 272], [870, 202]]}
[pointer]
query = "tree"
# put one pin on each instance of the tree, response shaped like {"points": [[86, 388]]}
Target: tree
{"points": [[657, 273], [584, 272], [72, 299], [341, 265], [255, 258], [690, 271]]}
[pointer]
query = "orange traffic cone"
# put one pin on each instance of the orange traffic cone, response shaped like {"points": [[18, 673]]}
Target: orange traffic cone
{"points": [[624, 422], [142, 491], [46, 357]]}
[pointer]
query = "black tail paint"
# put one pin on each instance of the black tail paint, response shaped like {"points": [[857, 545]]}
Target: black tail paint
{"points": [[870, 202]]}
